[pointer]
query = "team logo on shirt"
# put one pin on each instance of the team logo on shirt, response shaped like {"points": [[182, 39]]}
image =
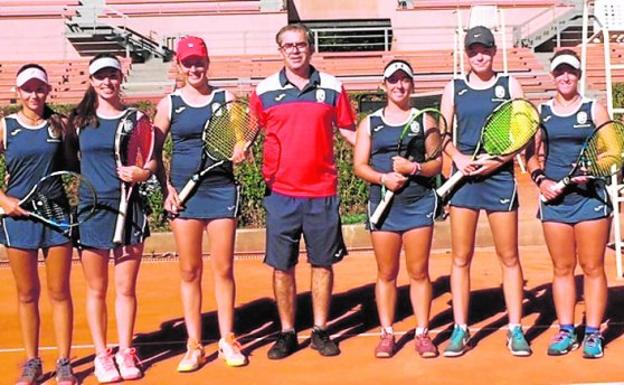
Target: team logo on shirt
{"points": [[499, 91], [581, 117], [415, 128], [320, 96], [127, 126], [377, 128], [54, 135], [461, 92], [280, 97], [180, 109], [16, 131]]}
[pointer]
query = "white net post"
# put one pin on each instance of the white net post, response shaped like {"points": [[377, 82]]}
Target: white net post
{"points": [[609, 17]]}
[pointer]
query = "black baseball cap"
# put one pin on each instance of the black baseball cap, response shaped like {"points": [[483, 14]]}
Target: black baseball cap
{"points": [[479, 35]]}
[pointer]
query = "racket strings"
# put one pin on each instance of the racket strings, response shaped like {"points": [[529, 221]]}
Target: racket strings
{"points": [[510, 128], [604, 152], [140, 143], [232, 127], [53, 209]]}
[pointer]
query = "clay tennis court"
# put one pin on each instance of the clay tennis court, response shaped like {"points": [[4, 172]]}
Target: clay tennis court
{"points": [[160, 337]]}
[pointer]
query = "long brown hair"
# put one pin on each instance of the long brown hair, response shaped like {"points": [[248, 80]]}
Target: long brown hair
{"points": [[85, 112]]}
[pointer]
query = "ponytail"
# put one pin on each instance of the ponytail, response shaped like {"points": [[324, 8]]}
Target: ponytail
{"points": [[85, 112]]}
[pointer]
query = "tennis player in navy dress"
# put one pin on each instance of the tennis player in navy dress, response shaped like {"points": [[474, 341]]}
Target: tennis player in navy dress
{"points": [[93, 125], [212, 206], [32, 148], [408, 221], [576, 219], [490, 186]]}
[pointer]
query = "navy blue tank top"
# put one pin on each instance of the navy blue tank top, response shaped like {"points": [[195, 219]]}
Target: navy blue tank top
{"points": [[31, 152], [472, 108], [97, 156], [565, 136], [384, 139], [187, 123]]}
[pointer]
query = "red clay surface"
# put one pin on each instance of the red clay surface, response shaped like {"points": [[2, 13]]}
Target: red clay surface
{"points": [[160, 333]]}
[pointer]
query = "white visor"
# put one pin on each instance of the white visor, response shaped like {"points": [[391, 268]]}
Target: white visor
{"points": [[394, 67], [565, 59], [104, 62], [31, 73]]}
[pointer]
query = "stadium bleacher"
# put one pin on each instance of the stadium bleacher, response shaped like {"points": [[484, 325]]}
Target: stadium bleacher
{"points": [[240, 71]]}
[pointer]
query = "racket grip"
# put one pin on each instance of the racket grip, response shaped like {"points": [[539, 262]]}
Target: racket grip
{"points": [[121, 221], [186, 190], [381, 208], [563, 183], [443, 190]]}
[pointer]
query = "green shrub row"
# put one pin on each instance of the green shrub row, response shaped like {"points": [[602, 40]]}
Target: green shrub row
{"points": [[353, 192]]}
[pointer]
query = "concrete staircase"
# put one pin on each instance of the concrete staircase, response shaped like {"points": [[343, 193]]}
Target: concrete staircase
{"points": [[148, 79], [90, 36]]}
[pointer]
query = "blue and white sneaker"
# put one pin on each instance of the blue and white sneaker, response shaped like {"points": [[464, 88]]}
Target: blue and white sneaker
{"points": [[592, 346], [458, 344], [563, 343], [517, 343]]}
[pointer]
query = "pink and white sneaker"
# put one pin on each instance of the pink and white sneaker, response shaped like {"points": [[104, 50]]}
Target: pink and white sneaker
{"points": [[128, 364], [105, 370]]}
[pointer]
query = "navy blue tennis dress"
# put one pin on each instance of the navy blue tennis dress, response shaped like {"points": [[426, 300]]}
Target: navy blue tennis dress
{"points": [[565, 136], [97, 164], [31, 152], [216, 195], [496, 191], [415, 204]]}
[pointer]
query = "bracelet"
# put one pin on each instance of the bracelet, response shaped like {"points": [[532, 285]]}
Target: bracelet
{"points": [[417, 168], [538, 176], [382, 180]]}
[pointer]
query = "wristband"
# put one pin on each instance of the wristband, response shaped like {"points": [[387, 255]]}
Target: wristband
{"points": [[538, 176], [417, 168], [382, 180]]}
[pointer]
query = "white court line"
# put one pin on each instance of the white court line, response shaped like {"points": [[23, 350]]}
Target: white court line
{"points": [[599, 383], [300, 337]]}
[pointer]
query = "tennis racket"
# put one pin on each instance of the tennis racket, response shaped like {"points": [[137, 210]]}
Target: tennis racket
{"points": [[234, 125], [55, 200], [406, 148], [134, 143], [507, 130], [602, 155]]}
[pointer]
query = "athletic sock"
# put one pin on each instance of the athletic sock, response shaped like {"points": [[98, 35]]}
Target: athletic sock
{"points": [[567, 328], [591, 330]]}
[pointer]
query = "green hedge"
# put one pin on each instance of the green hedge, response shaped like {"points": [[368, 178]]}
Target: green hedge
{"points": [[352, 190]]}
